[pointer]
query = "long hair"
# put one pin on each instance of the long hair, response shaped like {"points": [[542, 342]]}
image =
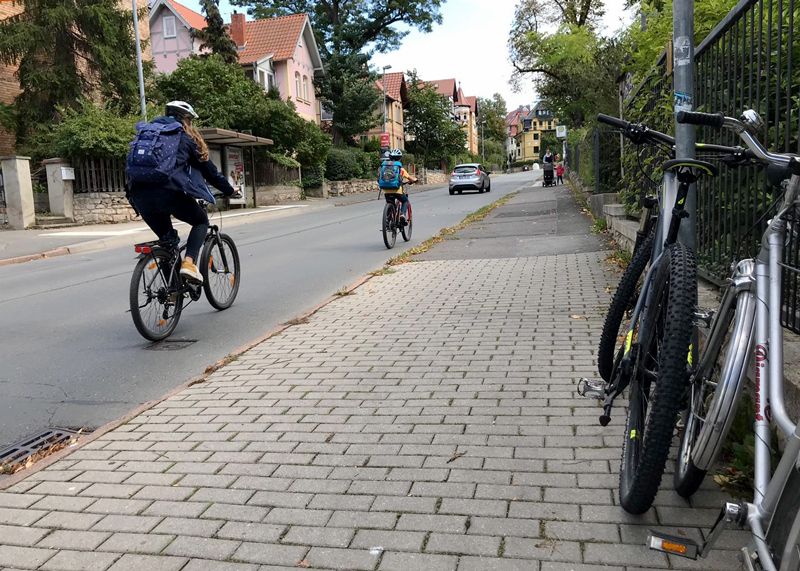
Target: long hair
{"points": [[196, 137]]}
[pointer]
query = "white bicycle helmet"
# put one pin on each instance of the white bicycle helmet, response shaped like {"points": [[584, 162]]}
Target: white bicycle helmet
{"points": [[179, 109], [396, 154]]}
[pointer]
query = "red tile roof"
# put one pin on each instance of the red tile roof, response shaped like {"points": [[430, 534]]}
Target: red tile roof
{"points": [[446, 87], [472, 101], [194, 19], [394, 85], [277, 36]]}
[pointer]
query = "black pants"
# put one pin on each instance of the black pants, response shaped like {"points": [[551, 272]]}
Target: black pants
{"points": [[156, 206]]}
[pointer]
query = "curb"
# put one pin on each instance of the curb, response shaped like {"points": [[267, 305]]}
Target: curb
{"points": [[8, 481]]}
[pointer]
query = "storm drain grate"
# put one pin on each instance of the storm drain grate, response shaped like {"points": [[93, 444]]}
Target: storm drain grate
{"points": [[50, 440], [170, 345]]}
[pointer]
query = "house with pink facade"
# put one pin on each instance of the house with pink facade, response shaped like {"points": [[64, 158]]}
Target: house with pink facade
{"points": [[277, 53]]}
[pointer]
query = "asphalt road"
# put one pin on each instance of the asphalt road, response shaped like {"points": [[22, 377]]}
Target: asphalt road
{"points": [[71, 357]]}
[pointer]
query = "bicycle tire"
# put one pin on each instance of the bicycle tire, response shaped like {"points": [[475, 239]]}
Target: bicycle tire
{"points": [[783, 534], [388, 228], [211, 274], [666, 328], [167, 322], [623, 300], [723, 363], [405, 231]]}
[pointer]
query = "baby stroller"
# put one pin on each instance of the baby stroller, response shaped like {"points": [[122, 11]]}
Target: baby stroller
{"points": [[549, 179]]}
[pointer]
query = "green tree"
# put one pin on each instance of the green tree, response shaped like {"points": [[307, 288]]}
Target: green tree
{"points": [[348, 33], [67, 50], [492, 129], [224, 97], [215, 37], [573, 67], [435, 137]]}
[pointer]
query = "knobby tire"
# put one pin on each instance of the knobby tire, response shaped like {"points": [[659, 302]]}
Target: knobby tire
{"points": [[156, 279], [624, 299], [387, 226], [668, 323], [220, 286]]}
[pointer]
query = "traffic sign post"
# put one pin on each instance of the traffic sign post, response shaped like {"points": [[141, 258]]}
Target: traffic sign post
{"points": [[384, 141]]}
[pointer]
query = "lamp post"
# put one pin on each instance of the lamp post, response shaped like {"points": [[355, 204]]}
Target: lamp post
{"points": [[384, 95], [483, 141], [139, 60]]}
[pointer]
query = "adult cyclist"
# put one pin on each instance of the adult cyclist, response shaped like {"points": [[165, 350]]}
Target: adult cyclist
{"points": [[186, 184], [392, 182]]}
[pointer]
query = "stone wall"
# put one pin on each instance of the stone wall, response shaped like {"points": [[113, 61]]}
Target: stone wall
{"points": [[434, 177], [268, 195], [341, 187], [102, 208]]}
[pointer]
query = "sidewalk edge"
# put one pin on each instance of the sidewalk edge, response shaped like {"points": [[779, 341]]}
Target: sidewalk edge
{"points": [[8, 481]]}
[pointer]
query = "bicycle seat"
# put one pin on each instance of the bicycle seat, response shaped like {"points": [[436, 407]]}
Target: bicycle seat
{"points": [[694, 164]]}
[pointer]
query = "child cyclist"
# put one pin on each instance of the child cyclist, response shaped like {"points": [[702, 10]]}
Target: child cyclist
{"points": [[391, 178]]}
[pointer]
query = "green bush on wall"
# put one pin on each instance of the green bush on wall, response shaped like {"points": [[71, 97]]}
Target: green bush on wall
{"points": [[345, 163]]}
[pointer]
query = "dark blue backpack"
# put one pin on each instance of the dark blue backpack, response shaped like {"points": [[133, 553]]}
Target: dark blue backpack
{"points": [[389, 175], [153, 153]]}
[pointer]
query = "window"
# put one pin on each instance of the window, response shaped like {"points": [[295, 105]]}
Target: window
{"points": [[271, 81], [262, 78], [536, 136], [297, 91], [305, 88], [169, 27]]}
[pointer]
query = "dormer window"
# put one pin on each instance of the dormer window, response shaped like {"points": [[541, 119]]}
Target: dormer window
{"points": [[169, 27]]}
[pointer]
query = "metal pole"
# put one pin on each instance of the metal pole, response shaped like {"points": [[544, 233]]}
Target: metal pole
{"points": [[384, 100], [683, 85], [483, 143], [142, 102]]}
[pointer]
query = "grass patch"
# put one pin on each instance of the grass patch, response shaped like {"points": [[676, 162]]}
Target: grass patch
{"points": [[620, 258], [476, 216], [297, 321], [383, 272], [344, 291], [599, 226]]}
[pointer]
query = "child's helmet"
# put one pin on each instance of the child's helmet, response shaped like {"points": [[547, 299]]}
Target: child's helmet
{"points": [[396, 154]]}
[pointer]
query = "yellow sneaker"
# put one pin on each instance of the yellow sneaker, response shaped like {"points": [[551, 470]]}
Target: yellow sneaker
{"points": [[190, 271]]}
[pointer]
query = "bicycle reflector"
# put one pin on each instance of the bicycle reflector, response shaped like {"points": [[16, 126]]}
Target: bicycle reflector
{"points": [[670, 544], [143, 248]]}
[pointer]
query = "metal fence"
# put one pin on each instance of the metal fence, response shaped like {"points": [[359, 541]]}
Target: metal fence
{"points": [[100, 175], [750, 60]]}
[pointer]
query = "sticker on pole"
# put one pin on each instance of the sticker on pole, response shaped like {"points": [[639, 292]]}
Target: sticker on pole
{"points": [[561, 131], [681, 51], [683, 101]]}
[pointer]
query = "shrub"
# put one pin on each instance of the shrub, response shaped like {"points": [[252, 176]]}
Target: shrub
{"points": [[342, 164], [372, 145], [313, 176]]}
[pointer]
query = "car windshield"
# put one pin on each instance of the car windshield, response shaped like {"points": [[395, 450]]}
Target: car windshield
{"points": [[464, 169]]}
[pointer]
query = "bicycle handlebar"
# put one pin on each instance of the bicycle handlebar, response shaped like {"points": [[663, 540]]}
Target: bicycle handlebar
{"points": [[715, 120], [636, 132]]}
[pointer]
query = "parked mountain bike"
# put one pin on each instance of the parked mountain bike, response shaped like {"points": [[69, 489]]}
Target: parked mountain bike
{"points": [[391, 223], [650, 359], [761, 293], [158, 291]]}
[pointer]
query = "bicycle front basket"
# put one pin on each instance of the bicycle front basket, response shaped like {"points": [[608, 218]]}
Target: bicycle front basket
{"points": [[790, 291]]}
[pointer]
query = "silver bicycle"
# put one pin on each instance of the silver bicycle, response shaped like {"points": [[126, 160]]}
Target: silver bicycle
{"points": [[747, 325]]}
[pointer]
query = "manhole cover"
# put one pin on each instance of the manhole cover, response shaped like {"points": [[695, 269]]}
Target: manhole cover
{"points": [[170, 345], [51, 440]]}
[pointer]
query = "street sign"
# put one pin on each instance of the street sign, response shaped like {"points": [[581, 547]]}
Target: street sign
{"points": [[384, 140], [561, 131]]}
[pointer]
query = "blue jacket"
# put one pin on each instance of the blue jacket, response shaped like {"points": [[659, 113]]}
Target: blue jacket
{"points": [[191, 173]]}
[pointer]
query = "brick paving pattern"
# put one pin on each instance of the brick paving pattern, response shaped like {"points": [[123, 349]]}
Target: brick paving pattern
{"points": [[428, 421]]}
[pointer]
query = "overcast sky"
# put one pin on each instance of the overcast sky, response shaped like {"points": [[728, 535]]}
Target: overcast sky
{"points": [[469, 45]]}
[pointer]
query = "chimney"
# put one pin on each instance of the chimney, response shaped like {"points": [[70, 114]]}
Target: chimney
{"points": [[237, 28]]}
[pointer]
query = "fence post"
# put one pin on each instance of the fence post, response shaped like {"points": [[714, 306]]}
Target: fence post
{"points": [[596, 157], [18, 189], [59, 187]]}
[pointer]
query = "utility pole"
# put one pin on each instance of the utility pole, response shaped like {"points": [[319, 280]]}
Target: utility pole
{"points": [[142, 102], [383, 81], [683, 85], [483, 141]]}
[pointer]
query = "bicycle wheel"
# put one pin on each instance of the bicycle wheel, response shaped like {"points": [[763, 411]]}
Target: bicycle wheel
{"points": [[219, 264], [715, 390], [406, 230], [388, 226], [659, 378], [155, 299], [623, 301]]}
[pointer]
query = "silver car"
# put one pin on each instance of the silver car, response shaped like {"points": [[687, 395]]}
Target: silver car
{"points": [[470, 176]]}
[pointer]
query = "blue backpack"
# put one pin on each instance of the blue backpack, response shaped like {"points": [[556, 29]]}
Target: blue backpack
{"points": [[389, 175], [153, 153]]}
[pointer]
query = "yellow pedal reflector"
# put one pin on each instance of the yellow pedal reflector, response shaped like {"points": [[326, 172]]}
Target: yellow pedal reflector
{"points": [[628, 341], [671, 544], [634, 433], [689, 358]]}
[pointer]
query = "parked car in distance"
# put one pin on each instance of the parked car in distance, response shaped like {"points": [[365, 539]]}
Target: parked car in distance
{"points": [[470, 176]]}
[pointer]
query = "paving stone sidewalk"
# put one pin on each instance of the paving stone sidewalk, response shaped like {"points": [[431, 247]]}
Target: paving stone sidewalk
{"points": [[428, 421]]}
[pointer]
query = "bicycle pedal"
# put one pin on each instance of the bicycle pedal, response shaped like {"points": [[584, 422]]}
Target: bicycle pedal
{"points": [[592, 388], [681, 546]]}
